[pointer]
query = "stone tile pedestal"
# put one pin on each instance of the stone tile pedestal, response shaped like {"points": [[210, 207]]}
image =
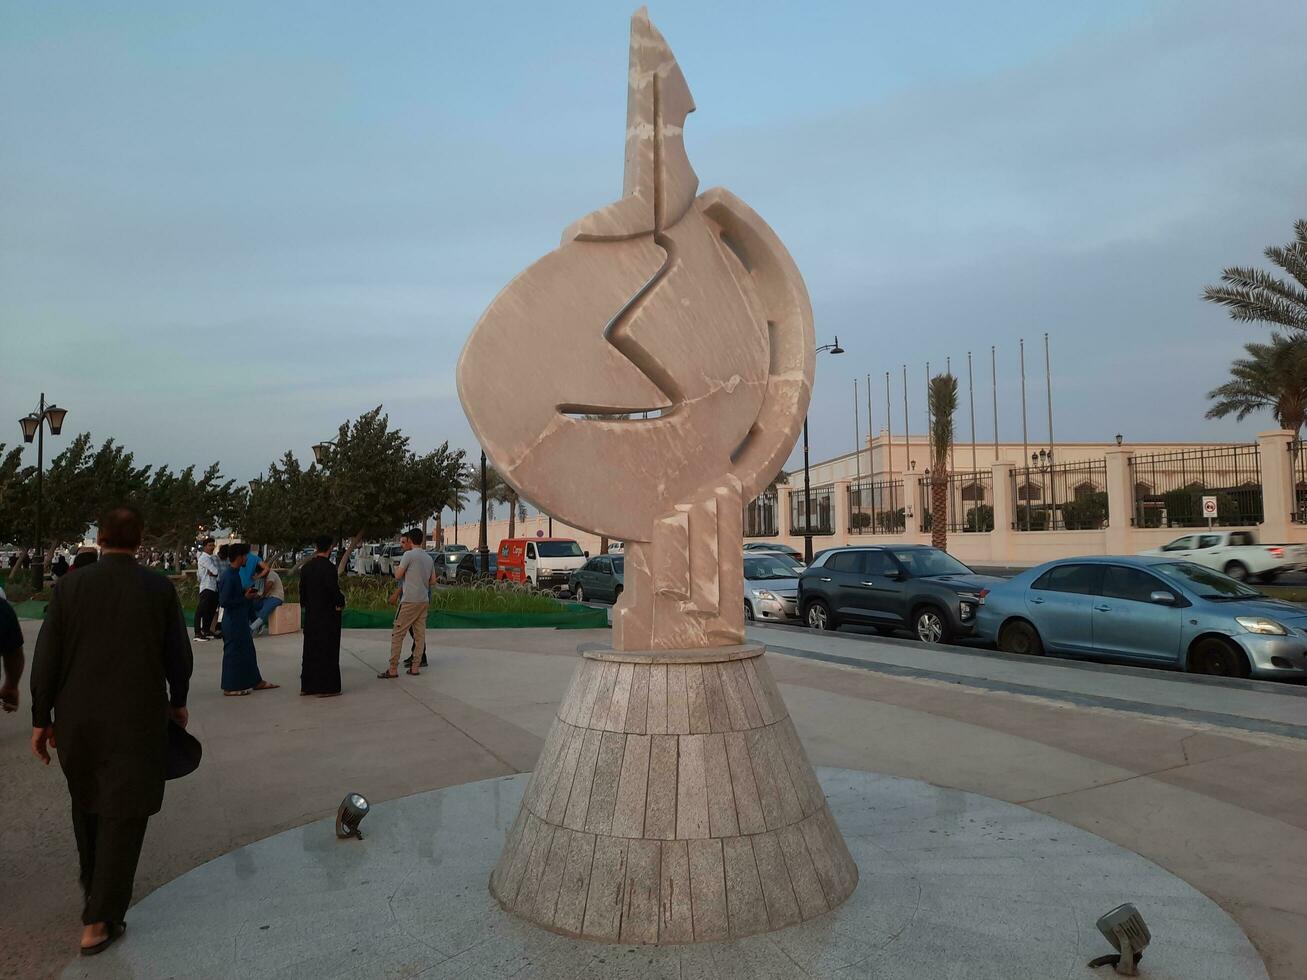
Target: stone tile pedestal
{"points": [[285, 619], [672, 803]]}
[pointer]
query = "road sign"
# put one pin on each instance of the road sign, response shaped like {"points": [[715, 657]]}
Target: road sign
{"points": [[1209, 507]]}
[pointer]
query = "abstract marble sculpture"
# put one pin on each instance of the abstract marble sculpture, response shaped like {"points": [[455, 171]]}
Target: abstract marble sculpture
{"points": [[643, 381]]}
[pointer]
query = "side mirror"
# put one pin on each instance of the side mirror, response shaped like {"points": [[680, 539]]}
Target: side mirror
{"points": [[586, 554], [1162, 598]]}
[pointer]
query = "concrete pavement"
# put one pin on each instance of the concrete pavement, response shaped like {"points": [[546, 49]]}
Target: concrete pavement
{"points": [[1185, 776]]}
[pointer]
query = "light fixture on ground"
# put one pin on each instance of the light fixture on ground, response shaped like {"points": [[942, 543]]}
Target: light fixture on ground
{"points": [[834, 348], [1125, 929], [353, 808]]}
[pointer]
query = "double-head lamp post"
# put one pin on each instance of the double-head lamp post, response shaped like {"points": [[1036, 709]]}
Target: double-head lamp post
{"points": [[834, 348], [483, 548], [33, 426]]}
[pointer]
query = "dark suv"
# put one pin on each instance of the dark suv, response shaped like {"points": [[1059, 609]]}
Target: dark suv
{"points": [[891, 587]]}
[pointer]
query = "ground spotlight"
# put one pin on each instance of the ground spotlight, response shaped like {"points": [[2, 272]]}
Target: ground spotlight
{"points": [[1124, 928], [353, 808]]}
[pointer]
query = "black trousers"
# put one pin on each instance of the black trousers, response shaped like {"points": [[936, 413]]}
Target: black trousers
{"points": [[108, 849], [205, 610]]}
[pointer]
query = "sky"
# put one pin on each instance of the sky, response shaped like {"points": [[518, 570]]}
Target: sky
{"points": [[226, 228]]}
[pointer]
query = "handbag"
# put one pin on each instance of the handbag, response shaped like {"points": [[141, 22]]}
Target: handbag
{"points": [[183, 754]]}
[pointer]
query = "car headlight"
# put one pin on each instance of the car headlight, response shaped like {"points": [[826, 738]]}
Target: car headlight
{"points": [[1260, 624], [966, 608], [764, 594]]}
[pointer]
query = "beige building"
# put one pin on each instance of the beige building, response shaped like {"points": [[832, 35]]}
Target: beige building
{"points": [[1089, 498]]}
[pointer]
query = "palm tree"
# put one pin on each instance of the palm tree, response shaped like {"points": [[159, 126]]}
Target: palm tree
{"points": [[1252, 295], [1273, 376], [943, 401], [499, 491]]}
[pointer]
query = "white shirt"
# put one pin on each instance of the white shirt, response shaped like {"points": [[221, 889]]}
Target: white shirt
{"points": [[207, 572]]}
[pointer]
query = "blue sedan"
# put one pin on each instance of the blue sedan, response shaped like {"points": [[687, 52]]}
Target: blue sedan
{"points": [[1150, 610]]}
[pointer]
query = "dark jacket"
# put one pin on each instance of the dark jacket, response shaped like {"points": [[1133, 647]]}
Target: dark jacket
{"points": [[111, 656]]}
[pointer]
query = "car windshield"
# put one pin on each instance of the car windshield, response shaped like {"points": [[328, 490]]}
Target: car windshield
{"points": [[767, 567], [1207, 582], [456, 547], [558, 549], [925, 562]]}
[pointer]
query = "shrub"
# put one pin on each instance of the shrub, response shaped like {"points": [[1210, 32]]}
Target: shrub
{"points": [[1087, 512], [980, 518]]}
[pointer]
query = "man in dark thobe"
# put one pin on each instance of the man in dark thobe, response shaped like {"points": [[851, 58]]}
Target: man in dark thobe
{"points": [[322, 600], [112, 664]]}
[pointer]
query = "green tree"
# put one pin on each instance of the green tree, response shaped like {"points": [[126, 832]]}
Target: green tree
{"points": [[376, 485], [14, 477], [501, 492], [288, 507], [1273, 377], [943, 402], [1254, 296]]}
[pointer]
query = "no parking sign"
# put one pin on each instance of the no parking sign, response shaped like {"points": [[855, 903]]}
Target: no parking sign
{"points": [[1209, 509]]}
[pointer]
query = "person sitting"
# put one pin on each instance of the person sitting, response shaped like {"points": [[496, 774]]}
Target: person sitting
{"points": [[84, 558], [273, 596], [60, 567]]}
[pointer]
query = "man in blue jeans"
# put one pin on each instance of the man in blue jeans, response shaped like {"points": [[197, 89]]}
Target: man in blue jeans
{"points": [[273, 596]]}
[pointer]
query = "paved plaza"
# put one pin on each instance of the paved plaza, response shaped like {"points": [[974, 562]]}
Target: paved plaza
{"points": [[1201, 779]]}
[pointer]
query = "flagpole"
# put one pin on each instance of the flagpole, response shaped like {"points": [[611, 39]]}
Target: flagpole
{"points": [[857, 434], [1025, 442], [971, 396], [993, 382]]}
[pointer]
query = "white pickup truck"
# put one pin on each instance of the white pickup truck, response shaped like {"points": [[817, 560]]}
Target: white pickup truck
{"points": [[1236, 553]]}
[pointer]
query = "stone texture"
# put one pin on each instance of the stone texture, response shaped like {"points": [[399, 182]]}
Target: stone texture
{"points": [[684, 307], [671, 838], [673, 747]]}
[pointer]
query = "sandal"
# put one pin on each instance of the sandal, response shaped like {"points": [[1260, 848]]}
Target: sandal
{"points": [[414, 673], [237, 694], [387, 676], [265, 686], [116, 930]]}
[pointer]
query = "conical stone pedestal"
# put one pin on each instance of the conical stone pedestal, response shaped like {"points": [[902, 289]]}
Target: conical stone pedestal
{"points": [[672, 803]]}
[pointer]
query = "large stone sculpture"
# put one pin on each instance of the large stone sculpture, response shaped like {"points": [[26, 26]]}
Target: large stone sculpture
{"points": [[643, 381]]}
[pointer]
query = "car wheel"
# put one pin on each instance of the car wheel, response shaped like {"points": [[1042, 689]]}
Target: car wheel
{"points": [[748, 611], [1022, 638], [1237, 570], [930, 626], [617, 593], [1217, 657], [818, 616], [1267, 578], [579, 594]]}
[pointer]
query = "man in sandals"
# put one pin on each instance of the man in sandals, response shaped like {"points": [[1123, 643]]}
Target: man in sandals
{"points": [[112, 664], [416, 574]]}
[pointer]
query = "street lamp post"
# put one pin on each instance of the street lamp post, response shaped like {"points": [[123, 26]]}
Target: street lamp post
{"points": [[834, 348], [321, 453], [33, 428], [482, 548]]}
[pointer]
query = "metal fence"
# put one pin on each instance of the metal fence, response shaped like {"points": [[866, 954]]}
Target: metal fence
{"points": [[970, 502], [1060, 496], [760, 518], [1298, 459], [823, 510], [1169, 487], [876, 507]]}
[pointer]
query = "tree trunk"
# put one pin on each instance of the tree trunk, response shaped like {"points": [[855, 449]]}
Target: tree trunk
{"points": [[512, 517], [354, 542], [440, 535], [939, 509], [603, 544]]}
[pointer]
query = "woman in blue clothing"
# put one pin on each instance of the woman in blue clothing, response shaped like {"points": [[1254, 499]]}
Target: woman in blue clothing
{"points": [[240, 667]]}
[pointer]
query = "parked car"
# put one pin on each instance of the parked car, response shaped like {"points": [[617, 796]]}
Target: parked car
{"points": [[599, 578], [1149, 609], [546, 563], [890, 587], [389, 558], [366, 560], [1236, 553], [447, 560], [469, 566], [771, 587], [772, 546]]}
